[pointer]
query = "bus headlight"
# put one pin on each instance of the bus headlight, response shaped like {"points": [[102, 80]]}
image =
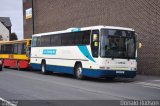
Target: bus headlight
{"points": [[133, 69]]}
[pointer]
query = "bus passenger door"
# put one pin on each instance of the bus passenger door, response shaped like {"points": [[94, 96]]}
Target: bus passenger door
{"points": [[28, 51], [33, 51], [95, 43]]}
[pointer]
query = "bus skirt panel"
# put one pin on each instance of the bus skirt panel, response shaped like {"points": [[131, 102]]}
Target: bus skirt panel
{"points": [[88, 72], [108, 73], [14, 62]]}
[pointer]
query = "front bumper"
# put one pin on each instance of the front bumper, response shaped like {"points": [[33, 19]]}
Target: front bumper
{"points": [[108, 73]]}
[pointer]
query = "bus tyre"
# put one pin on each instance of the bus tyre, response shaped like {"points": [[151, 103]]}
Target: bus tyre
{"points": [[78, 72], [1, 68], [43, 68]]}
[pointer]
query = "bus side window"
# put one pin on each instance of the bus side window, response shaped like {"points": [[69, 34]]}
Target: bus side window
{"points": [[34, 42], [19, 48], [95, 43], [15, 48], [23, 50], [28, 51]]}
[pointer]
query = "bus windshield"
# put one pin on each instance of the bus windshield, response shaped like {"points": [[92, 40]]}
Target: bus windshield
{"points": [[118, 44]]}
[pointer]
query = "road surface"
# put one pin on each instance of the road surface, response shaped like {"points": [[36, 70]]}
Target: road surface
{"points": [[32, 85]]}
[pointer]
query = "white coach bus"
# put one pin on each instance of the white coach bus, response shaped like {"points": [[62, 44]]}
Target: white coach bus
{"points": [[97, 51]]}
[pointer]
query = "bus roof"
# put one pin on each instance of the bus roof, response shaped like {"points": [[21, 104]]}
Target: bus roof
{"points": [[74, 29], [14, 41]]}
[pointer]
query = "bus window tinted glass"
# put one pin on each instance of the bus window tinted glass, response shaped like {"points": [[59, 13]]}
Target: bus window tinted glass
{"points": [[19, 48], [45, 40], [15, 51], [55, 40], [82, 37], [38, 44], [68, 39], [86, 37], [34, 41], [118, 44], [63, 39]]}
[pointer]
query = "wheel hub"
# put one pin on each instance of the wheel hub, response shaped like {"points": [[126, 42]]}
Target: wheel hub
{"points": [[79, 72]]}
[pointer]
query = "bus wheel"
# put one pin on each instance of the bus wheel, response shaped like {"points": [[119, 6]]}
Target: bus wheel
{"points": [[78, 72], [43, 67], [1, 64], [0, 67]]}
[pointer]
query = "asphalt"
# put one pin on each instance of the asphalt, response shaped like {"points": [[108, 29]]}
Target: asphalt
{"points": [[32, 85]]}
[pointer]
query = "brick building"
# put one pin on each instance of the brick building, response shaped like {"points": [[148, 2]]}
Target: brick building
{"points": [[142, 15]]}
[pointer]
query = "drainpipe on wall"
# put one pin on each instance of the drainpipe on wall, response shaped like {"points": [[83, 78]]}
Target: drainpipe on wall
{"points": [[33, 16]]}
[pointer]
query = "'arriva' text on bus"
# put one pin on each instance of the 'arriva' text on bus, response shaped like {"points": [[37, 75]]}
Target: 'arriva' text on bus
{"points": [[97, 51]]}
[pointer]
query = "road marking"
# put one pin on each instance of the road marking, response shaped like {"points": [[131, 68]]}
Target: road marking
{"points": [[157, 80], [6, 103], [151, 85]]}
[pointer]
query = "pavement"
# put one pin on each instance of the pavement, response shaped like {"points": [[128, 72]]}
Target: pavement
{"points": [[34, 87]]}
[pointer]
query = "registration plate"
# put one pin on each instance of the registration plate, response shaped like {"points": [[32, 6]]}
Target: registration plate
{"points": [[120, 72]]}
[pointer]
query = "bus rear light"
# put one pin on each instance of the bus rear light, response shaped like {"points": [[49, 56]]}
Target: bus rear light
{"points": [[133, 69]]}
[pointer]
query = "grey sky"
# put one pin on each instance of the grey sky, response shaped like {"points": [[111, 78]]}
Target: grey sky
{"points": [[13, 9]]}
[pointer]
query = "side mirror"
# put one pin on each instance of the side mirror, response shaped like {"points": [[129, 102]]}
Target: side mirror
{"points": [[140, 45]]}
